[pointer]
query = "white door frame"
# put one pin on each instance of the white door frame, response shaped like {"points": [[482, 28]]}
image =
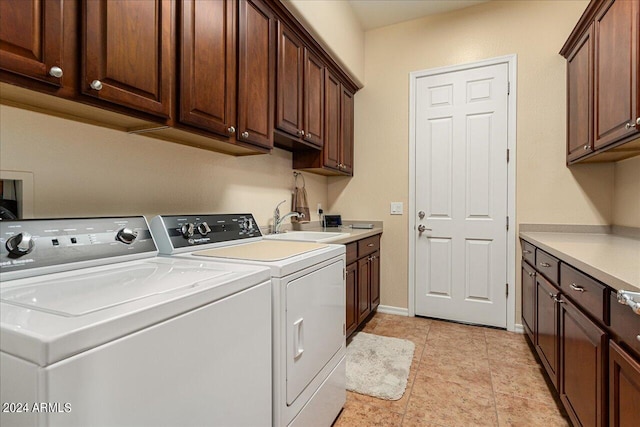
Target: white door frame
{"points": [[511, 61]]}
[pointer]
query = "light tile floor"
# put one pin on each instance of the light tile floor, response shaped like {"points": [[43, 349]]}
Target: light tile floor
{"points": [[460, 376]]}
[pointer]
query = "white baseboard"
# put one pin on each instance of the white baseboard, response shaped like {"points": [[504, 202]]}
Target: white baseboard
{"points": [[388, 309], [518, 328]]}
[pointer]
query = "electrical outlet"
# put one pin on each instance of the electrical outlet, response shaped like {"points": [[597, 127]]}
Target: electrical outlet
{"points": [[397, 208]]}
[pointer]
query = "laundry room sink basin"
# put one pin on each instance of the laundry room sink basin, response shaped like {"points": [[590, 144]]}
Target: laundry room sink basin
{"points": [[307, 236]]}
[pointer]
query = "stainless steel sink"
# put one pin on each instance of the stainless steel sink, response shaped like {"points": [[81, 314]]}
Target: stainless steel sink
{"points": [[307, 236]]}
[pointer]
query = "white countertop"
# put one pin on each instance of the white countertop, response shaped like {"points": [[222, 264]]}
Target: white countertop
{"points": [[610, 258]]}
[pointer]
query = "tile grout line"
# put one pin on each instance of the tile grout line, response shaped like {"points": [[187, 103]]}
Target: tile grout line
{"points": [[493, 390]]}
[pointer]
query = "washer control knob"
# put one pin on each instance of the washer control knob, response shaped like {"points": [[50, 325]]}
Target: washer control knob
{"points": [[203, 228], [20, 244], [187, 230], [126, 235]]}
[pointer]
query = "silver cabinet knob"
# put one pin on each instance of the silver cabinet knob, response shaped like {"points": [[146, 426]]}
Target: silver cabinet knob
{"points": [[245, 134], [638, 337], [96, 85], [629, 126], [638, 121], [231, 130], [55, 72], [586, 147], [301, 133]]}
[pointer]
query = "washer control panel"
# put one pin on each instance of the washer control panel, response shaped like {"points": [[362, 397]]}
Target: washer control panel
{"points": [[27, 244], [183, 231]]}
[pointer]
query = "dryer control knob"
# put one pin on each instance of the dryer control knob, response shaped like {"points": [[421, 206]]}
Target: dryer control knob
{"points": [[20, 244], [187, 230], [126, 235], [203, 228]]}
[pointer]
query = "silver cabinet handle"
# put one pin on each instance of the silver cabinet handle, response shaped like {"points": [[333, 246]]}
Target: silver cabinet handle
{"points": [[524, 251], [245, 134], [531, 274], [576, 288], [629, 125], [55, 72], [544, 264], [231, 130], [96, 85], [301, 133], [552, 296], [370, 245], [558, 300]]}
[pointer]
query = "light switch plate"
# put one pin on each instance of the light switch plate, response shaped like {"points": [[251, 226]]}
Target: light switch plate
{"points": [[397, 208]]}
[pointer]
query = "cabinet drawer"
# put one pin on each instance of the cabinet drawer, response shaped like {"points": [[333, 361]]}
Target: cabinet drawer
{"points": [[547, 265], [368, 246], [586, 292], [625, 324], [528, 252], [352, 252]]}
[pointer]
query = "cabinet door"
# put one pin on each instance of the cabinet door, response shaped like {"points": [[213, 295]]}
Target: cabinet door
{"points": [[208, 65], [313, 99], [289, 82], [256, 73], [31, 35], [580, 98], [352, 298], [546, 328], [374, 265], [528, 299], [128, 55], [364, 296], [624, 388], [346, 131], [333, 95], [582, 369], [616, 72]]}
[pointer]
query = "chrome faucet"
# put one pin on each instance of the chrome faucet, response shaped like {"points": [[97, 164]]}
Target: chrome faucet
{"points": [[278, 220]]}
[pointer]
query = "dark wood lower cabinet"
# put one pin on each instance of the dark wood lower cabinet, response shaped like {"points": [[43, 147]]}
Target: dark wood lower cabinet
{"points": [[624, 388], [374, 277], [582, 370], [546, 338], [528, 299], [364, 297], [351, 320]]}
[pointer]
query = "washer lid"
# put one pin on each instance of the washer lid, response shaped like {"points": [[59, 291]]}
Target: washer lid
{"points": [[48, 318], [91, 292]]}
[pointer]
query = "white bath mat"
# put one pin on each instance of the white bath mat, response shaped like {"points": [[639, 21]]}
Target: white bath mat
{"points": [[378, 366]]}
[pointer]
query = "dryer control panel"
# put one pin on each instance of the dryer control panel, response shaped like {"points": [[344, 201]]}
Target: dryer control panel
{"points": [[36, 243], [183, 231]]}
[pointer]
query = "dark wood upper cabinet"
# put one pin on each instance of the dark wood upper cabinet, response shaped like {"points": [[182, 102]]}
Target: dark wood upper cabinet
{"points": [[616, 72], [603, 83], [31, 39], [208, 65], [580, 98], [289, 84], [300, 89], [128, 53], [256, 73], [336, 157]]}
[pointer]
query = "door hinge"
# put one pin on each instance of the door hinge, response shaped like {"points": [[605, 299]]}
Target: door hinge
{"points": [[507, 223], [508, 155], [508, 88], [507, 291]]}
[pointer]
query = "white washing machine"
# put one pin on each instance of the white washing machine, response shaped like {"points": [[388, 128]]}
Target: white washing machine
{"points": [[96, 330], [309, 386]]}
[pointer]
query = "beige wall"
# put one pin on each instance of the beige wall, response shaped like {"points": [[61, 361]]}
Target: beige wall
{"points": [[334, 24], [547, 191], [84, 170], [626, 210]]}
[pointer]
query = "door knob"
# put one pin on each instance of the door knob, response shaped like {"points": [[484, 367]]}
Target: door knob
{"points": [[422, 228], [421, 214]]}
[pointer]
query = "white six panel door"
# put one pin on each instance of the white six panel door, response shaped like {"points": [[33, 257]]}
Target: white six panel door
{"points": [[461, 186]]}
